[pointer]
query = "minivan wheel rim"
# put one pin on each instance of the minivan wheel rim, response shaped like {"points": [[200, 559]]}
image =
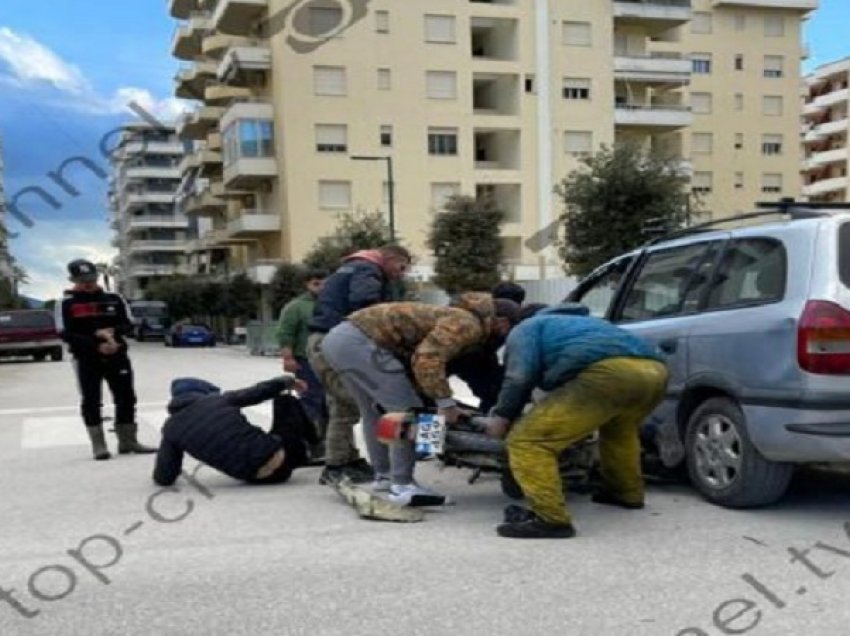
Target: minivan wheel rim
{"points": [[718, 451]]}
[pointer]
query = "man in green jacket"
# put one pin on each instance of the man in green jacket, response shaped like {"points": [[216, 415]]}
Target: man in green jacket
{"points": [[292, 335]]}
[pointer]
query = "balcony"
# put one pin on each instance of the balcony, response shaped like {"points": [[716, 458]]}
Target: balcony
{"points": [[150, 221], [831, 99], [137, 173], [242, 64], [652, 116], [800, 5], [180, 9], [239, 17], [186, 44], [262, 272], [198, 124], [254, 224], [495, 94], [811, 109], [216, 44], [831, 128], [834, 184], [192, 79], [162, 245], [223, 95], [143, 270], [497, 149], [136, 200], [653, 16], [652, 69], [149, 147], [494, 39], [827, 157], [202, 200]]}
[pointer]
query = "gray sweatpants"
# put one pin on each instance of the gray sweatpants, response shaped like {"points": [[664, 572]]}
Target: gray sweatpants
{"points": [[376, 379]]}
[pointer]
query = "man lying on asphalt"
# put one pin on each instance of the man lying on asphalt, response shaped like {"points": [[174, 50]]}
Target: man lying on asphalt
{"points": [[209, 426]]}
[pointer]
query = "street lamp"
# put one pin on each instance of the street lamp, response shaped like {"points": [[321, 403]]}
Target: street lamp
{"points": [[390, 186]]}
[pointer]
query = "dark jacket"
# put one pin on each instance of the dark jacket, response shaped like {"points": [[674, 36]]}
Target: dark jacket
{"points": [[360, 282], [212, 429], [81, 314]]}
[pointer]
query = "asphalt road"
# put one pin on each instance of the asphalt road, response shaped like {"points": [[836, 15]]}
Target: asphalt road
{"points": [[95, 548]]}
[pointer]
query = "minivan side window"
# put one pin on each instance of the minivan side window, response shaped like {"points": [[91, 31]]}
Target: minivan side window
{"points": [[752, 271], [599, 294], [844, 253], [671, 282]]}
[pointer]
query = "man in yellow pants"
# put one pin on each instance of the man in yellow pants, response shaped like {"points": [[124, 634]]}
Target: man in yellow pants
{"points": [[599, 378]]}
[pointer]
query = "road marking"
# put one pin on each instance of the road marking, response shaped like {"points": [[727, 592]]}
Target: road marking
{"points": [[68, 430], [75, 407]]}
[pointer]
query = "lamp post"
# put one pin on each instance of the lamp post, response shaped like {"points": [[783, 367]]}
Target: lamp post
{"points": [[390, 185]]}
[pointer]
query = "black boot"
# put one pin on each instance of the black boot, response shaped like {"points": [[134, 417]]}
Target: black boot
{"points": [[98, 443], [127, 442]]}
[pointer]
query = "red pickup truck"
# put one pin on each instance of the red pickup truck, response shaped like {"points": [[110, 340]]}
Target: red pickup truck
{"points": [[29, 333]]}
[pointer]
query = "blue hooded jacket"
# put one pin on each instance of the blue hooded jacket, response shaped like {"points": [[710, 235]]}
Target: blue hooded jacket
{"points": [[556, 345]]}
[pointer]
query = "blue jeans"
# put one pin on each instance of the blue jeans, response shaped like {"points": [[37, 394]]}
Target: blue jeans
{"points": [[314, 399]]}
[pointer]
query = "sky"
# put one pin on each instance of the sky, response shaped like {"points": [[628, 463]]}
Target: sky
{"points": [[66, 77]]}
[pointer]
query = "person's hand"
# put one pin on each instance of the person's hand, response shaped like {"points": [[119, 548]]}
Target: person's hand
{"points": [[453, 413], [497, 427], [108, 348], [105, 334], [300, 387], [290, 364]]}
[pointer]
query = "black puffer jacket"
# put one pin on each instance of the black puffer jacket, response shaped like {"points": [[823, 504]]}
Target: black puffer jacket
{"points": [[212, 429], [82, 313]]}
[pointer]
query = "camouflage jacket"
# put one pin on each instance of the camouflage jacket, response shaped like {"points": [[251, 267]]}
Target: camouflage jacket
{"points": [[426, 337]]}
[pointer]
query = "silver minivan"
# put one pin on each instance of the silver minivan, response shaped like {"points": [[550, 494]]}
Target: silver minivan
{"points": [[755, 324]]}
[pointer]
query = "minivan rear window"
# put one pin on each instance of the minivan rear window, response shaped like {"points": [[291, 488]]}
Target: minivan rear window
{"points": [[844, 253], [25, 320]]}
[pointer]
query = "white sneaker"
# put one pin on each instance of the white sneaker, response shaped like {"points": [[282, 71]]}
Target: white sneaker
{"points": [[381, 484], [415, 495]]}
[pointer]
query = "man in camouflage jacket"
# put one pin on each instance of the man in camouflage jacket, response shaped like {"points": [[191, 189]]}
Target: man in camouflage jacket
{"points": [[390, 353]]}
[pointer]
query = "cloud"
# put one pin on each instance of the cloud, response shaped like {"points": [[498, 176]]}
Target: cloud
{"points": [[46, 249], [32, 65]]}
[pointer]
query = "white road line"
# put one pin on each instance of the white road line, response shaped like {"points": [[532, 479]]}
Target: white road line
{"points": [[68, 430], [76, 407]]}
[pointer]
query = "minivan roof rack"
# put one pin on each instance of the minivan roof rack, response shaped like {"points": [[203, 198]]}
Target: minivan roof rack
{"points": [[797, 210]]}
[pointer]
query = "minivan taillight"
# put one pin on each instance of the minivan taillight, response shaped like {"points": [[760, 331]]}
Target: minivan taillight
{"points": [[823, 338]]}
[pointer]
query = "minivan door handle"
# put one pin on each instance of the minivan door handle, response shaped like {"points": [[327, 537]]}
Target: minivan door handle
{"points": [[669, 346]]}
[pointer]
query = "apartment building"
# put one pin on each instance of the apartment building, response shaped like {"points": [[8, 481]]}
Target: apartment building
{"points": [[300, 101], [151, 235], [825, 129]]}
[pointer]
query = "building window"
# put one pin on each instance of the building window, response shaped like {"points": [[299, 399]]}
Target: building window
{"points": [[331, 138], [739, 22], [701, 183], [324, 20], [701, 63], [739, 62], [329, 80], [739, 180], [576, 88], [772, 105], [771, 183], [248, 139], [771, 144], [441, 84], [701, 22], [384, 79], [739, 101], [701, 103], [440, 29], [577, 33], [529, 84], [774, 25], [442, 141], [441, 193], [335, 195], [382, 21], [702, 143], [774, 66], [578, 142], [386, 136], [739, 141]]}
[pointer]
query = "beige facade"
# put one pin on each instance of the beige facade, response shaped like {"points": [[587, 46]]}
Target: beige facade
{"points": [[151, 236], [496, 97], [825, 130]]}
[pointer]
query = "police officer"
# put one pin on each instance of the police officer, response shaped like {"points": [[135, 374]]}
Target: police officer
{"points": [[94, 322]]}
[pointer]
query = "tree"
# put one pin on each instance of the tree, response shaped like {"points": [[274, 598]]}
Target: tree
{"points": [[355, 231], [242, 297], [465, 240], [616, 201], [288, 282], [182, 295]]}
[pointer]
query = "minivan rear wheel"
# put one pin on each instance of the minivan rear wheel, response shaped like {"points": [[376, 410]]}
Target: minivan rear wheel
{"points": [[724, 465]]}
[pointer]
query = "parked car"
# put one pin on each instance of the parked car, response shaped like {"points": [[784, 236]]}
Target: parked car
{"points": [[755, 323], [29, 333], [150, 319], [190, 335]]}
